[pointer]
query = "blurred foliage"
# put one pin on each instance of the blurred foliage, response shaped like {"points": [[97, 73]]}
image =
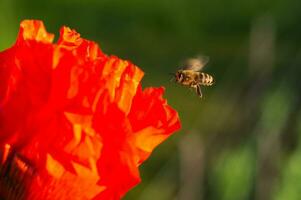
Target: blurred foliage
{"points": [[232, 174], [249, 121]]}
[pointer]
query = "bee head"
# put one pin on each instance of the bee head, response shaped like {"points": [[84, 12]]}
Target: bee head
{"points": [[179, 76]]}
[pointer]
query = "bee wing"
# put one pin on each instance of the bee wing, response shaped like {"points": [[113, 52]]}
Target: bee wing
{"points": [[196, 64]]}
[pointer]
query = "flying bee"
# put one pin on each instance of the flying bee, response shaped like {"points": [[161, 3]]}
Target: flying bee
{"points": [[191, 76]]}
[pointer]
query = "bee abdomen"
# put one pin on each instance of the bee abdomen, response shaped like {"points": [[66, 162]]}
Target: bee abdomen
{"points": [[206, 79]]}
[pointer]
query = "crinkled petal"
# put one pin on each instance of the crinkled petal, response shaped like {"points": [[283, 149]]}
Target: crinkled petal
{"points": [[78, 116], [34, 30], [26, 68], [152, 119]]}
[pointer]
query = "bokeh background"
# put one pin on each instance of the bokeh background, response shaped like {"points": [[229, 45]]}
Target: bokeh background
{"points": [[242, 140]]}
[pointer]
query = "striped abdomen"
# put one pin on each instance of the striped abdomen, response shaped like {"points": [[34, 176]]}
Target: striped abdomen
{"points": [[205, 79]]}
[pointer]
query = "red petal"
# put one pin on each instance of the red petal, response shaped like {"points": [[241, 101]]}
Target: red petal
{"points": [[152, 119], [34, 30], [26, 67], [79, 116]]}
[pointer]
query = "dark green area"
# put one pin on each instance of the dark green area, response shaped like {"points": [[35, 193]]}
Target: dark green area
{"points": [[248, 123]]}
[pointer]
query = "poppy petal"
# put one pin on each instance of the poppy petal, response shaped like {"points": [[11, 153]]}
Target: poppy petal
{"points": [[77, 117]]}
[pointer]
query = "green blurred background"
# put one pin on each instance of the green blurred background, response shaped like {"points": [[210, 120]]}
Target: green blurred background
{"points": [[242, 140]]}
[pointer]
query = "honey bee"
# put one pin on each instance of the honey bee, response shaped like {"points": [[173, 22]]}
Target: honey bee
{"points": [[191, 76]]}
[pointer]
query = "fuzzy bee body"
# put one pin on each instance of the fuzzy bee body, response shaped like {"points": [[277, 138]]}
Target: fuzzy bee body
{"points": [[191, 76]]}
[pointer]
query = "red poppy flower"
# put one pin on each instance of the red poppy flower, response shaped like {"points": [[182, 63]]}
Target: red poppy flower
{"points": [[74, 122]]}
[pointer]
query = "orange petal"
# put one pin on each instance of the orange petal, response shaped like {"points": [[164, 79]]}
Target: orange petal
{"points": [[34, 30]]}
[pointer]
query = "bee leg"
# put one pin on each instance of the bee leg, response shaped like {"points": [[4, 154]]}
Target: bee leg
{"points": [[193, 87], [199, 91]]}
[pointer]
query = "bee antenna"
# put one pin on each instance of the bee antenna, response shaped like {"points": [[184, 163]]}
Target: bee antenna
{"points": [[173, 76]]}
